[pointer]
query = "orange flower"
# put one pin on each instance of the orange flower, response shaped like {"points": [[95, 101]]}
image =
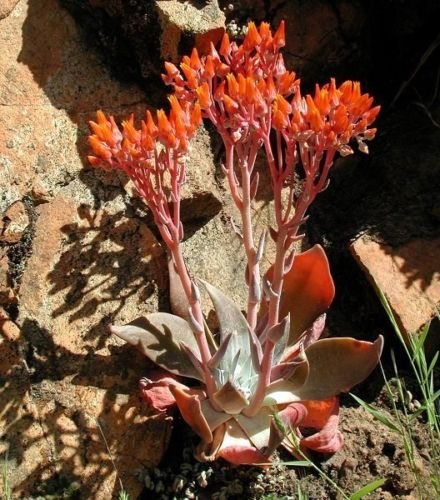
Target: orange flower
{"points": [[279, 38], [252, 38], [225, 46], [204, 95]]}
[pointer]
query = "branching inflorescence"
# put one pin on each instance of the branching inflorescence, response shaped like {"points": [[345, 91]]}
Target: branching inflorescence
{"points": [[271, 360]]}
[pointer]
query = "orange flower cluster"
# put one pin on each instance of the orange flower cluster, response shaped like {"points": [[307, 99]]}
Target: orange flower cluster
{"points": [[236, 85], [153, 156], [330, 119], [130, 147], [247, 92], [245, 89]]}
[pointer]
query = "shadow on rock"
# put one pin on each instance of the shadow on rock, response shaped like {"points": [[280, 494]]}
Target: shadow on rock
{"points": [[76, 415], [111, 259]]}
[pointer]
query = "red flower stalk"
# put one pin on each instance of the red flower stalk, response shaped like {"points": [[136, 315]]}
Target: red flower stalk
{"points": [[246, 91], [236, 87], [153, 156]]}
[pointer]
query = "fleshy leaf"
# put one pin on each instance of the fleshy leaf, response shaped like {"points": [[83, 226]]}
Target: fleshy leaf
{"points": [[281, 342], [213, 417], [333, 366], [231, 320], [191, 411], [237, 449], [308, 290], [284, 370], [218, 355], [158, 336], [289, 418], [230, 399], [338, 364], [314, 332], [257, 428], [155, 390], [309, 337], [178, 301], [329, 439], [318, 412], [285, 391], [207, 451]]}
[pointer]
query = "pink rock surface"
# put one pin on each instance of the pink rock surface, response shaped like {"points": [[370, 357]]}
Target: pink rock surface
{"points": [[6, 7], [50, 85], [13, 223], [63, 377], [87, 267], [409, 276]]}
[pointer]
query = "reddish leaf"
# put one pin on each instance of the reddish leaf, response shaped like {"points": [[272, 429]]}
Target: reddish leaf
{"points": [[230, 443], [237, 449], [318, 412], [329, 439], [243, 455], [333, 366], [291, 417], [190, 409], [155, 390], [338, 364], [308, 290], [207, 451]]}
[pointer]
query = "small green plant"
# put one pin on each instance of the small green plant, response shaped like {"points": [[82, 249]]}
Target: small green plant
{"points": [[7, 490], [403, 415]]}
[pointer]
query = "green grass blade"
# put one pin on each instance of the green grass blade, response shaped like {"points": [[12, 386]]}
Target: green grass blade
{"points": [[7, 490], [431, 366], [377, 414], [435, 396], [389, 311], [298, 463], [367, 489], [418, 342]]}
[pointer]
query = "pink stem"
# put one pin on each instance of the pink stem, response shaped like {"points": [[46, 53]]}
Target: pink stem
{"points": [[287, 231], [196, 310], [253, 266], [243, 204]]}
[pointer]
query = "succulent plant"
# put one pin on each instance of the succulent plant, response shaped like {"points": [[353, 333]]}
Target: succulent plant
{"points": [[306, 373], [269, 364]]}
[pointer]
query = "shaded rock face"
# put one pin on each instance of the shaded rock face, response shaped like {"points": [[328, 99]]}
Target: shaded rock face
{"points": [[323, 39], [136, 37]]}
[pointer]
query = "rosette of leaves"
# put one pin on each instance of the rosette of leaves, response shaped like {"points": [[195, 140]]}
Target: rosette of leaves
{"points": [[306, 377]]}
